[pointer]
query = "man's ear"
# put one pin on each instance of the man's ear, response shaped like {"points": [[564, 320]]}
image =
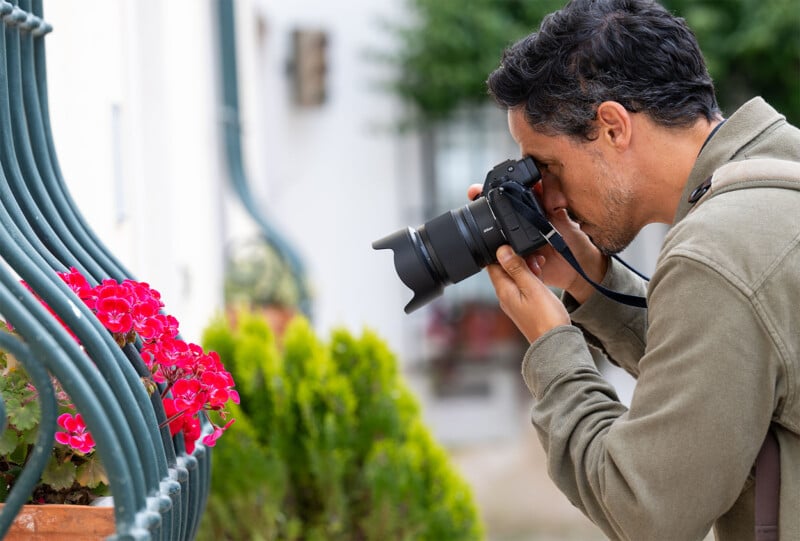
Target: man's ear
{"points": [[614, 124]]}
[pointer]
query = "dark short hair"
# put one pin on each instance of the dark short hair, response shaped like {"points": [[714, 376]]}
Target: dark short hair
{"points": [[633, 52]]}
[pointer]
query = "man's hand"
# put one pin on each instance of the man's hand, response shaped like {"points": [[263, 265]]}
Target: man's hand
{"points": [[554, 269], [556, 272], [524, 298]]}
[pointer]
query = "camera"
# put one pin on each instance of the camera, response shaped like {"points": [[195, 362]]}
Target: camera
{"points": [[460, 242]]}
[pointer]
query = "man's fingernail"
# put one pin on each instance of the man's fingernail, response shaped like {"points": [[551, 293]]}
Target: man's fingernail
{"points": [[504, 254]]}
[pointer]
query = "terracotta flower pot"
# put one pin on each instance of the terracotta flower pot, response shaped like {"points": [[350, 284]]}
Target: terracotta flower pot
{"points": [[61, 522]]}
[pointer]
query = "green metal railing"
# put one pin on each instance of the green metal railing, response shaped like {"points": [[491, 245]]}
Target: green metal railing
{"points": [[159, 491], [233, 152]]}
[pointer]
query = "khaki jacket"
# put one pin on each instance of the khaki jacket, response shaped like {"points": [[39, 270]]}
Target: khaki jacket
{"points": [[716, 356]]}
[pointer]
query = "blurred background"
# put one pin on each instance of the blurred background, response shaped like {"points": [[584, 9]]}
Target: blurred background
{"points": [[256, 159]]}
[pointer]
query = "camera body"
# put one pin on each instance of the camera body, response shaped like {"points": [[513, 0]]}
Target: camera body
{"points": [[523, 236], [460, 242]]}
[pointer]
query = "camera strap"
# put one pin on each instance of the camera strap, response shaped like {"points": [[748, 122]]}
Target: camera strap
{"points": [[525, 202], [557, 242]]}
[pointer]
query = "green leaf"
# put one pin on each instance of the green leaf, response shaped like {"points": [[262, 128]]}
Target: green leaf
{"points": [[92, 474], [8, 442], [25, 417], [12, 403], [28, 437], [59, 475], [20, 454]]}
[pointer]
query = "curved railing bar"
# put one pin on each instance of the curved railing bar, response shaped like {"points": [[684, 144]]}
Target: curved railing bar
{"points": [[188, 477], [169, 504], [41, 206], [38, 208], [204, 466], [191, 505], [47, 159], [124, 386], [6, 155], [98, 335], [183, 468], [175, 485], [233, 151], [50, 197], [73, 312], [92, 338], [11, 140], [107, 381], [52, 346], [40, 455], [185, 465]]}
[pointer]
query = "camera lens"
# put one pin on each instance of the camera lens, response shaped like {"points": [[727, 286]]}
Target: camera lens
{"points": [[444, 250]]}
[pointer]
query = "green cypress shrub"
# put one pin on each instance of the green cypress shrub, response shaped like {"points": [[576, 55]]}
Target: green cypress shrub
{"points": [[328, 444]]}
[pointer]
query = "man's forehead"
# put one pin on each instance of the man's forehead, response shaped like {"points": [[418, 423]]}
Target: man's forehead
{"points": [[541, 145], [521, 129]]}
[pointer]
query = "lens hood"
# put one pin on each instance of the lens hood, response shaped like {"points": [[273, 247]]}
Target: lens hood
{"points": [[414, 266]]}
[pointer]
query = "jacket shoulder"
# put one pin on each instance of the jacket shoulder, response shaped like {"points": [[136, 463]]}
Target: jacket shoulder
{"points": [[744, 232]]}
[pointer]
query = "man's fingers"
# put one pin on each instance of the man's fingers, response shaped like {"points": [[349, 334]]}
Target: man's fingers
{"points": [[568, 229], [520, 283], [523, 297], [514, 265], [474, 191], [588, 255], [535, 263]]}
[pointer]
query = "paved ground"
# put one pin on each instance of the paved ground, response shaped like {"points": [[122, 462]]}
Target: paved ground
{"points": [[516, 498]]}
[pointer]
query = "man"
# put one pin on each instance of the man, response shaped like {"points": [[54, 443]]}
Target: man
{"points": [[612, 100]]}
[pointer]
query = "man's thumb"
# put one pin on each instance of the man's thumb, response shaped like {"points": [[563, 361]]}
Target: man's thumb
{"points": [[513, 264]]}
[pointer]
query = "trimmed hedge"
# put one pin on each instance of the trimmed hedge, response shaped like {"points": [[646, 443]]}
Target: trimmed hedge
{"points": [[328, 444]]}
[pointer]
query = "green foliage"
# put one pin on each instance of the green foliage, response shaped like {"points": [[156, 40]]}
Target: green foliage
{"points": [[752, 47], [435, 503], [328, 444], [248, 493], [445, 54], [69, 475], [256, 275], [59, 475], [448, 49]]}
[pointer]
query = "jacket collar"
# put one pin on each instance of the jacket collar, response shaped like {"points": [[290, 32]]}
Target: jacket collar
{"points": [[745, 125]]}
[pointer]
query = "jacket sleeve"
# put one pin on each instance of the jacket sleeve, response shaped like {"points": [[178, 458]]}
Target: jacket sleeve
{"points": [[617, 329], [679, 458]]}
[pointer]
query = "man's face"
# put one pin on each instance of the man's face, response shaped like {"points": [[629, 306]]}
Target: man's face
{"points": [[577, 177]]}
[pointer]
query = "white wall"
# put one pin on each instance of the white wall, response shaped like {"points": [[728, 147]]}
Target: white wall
{"points": [[331, 177], [139, 83], [126, 81]]}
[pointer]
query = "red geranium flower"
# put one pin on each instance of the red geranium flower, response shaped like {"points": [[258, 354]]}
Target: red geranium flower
{"points": [[75, 434], [194, 382]]}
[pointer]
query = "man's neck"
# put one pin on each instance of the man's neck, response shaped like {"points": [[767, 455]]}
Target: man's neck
{"points": [[677, 154]]}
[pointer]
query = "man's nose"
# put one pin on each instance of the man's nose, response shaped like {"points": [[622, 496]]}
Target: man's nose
{"points": [[553, 198]]}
